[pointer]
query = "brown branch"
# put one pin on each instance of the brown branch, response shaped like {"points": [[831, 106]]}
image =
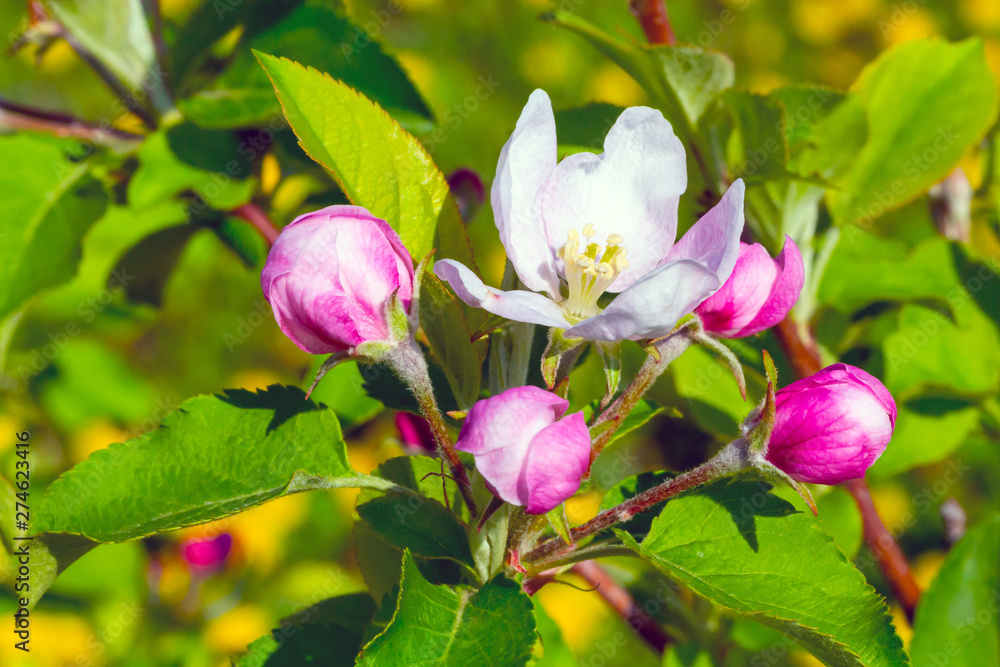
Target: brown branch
{"points": [[884, 547], [21, 117], [652, 16], [623, 604], [805, 360], [256, 217]]}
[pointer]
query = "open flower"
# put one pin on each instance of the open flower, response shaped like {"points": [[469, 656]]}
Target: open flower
{"points": [[758, 294], [528, 453], [596, 224], [831, 426], [330, 275]]}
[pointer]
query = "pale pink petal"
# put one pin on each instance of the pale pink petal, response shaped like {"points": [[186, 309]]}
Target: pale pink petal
{"points": [[517, 305], [632, 189], [651, 307], [714, 241], [557, 459], [498, 431], [526, 161]]}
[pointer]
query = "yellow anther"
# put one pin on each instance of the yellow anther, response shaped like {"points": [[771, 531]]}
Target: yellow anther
{"points": [[591, 272]]}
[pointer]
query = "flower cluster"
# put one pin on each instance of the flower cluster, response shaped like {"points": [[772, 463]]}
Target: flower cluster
{"points": [[593, 241]]}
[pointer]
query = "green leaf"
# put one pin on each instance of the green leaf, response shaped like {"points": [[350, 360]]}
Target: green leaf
{"points": [[48, 206], [342, 390], [683, 79], [926, 102], [150, 262], [213, 457], [929, 350], [422, 525], [162, 174], [210, 22], [745, 549], [586, 126], [318, 37], [327, 633], [439, 625], [380, 166], [956, 620], [758, 150], [117, 34], [835, 142], [865, 268], [921, 439], [230, 107], [710, 391], [376, 162]]}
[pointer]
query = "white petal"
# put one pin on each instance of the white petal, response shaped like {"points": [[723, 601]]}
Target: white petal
{"points": [[632, 189], [651, 307], [715, 239], [526, 161], [515, 305]]}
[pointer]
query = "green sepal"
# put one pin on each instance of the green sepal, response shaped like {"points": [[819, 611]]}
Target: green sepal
{"points": [[560, 522], [611, 358], [558, 356]]}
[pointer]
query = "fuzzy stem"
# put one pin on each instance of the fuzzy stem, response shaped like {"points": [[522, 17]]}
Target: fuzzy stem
{"points": [[609, 421], [727, 462], [409, 363]]}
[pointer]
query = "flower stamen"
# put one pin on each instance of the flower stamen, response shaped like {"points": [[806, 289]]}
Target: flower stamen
{"points": [[588, 277]]}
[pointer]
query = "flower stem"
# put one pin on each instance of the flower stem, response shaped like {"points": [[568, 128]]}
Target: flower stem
{"points": [[408, 361], [667, 349], [652, 16], [729, 461], [256, 216]]}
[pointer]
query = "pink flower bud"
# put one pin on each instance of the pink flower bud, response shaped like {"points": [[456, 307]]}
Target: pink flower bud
{"points": [[831, 426], [330, 275], [757, 295], [415, 433], [528, 453], [207, 554]]}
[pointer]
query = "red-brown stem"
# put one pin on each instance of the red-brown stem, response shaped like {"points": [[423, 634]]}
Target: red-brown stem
{"points": [[409, 363], [255, 216], [611, 418], [20, 117], [801, 354], [804, 358], [624, 604], [885, 548], [728, 461], [652, 16]]}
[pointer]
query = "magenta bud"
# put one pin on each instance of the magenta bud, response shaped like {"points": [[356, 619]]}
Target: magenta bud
{"points": [[469, 191], [528, 453], [757, 295], [415, 433], [831, 426], [207, 554], [330, 275]]}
